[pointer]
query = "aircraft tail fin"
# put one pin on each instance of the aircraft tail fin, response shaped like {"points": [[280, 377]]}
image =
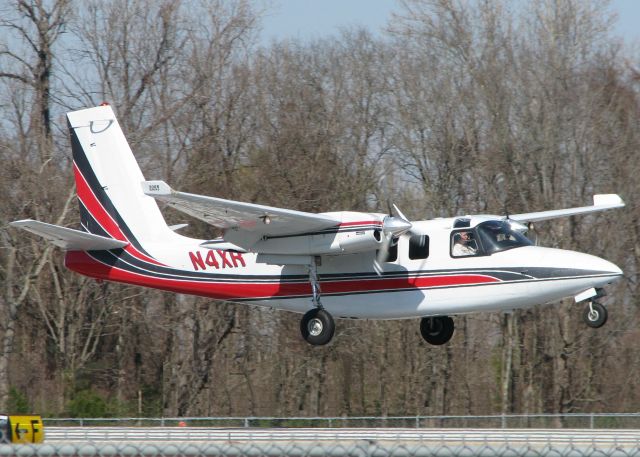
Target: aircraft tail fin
{"points": [[108, 181]]}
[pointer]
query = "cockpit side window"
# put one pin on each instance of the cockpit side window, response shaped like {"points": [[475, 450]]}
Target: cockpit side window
{"points": [[464, 244], [497, 236]]}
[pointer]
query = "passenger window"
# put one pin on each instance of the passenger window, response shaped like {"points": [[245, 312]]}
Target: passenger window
{"points": [[419, 247]]}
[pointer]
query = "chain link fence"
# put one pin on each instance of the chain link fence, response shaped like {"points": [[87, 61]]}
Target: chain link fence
{"points": [[308, 449]]}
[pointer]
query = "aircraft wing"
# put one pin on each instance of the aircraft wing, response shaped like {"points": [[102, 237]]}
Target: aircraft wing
{"points": [[257, 220], [68, 239], [601, 202]]}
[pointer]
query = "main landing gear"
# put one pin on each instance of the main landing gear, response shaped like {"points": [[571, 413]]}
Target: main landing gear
{"points": [[436, 330], [317, 326]]}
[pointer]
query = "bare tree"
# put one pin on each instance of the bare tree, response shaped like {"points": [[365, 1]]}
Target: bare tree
{"points": [[36, 26]]}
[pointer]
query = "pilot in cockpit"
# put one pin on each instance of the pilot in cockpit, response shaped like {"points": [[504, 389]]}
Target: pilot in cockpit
{"points": [[463, 245]]}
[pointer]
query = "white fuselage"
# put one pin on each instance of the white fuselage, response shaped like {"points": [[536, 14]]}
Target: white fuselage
{"points": [[350, 288]]}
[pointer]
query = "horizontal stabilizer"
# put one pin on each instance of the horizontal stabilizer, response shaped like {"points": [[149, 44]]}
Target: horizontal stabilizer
{"points": [[601, 202], [69, 239]]}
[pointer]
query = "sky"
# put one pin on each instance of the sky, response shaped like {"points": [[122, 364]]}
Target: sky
{"points": [[310, 19]]}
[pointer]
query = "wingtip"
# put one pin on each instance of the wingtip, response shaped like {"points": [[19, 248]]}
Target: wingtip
{"points": [[21, 223], [613, 200]]}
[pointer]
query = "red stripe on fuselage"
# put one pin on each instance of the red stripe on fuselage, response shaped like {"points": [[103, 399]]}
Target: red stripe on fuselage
{"points": [[419, 282], [350, 224], [83, 263]]}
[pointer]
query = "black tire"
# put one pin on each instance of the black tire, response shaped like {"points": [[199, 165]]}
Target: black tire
{"points": [[317, 327], [437, 330], [597, 317]]}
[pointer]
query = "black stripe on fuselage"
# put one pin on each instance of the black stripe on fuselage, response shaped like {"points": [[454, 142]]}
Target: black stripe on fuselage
{"points": [[119, 258]]}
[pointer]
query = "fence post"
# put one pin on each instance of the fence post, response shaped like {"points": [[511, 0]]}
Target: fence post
{"points": [[417, 421], [504, 421], [246, 422], [591, 420]]}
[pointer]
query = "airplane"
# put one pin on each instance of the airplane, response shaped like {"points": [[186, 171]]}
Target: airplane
{"points": [[347, 265]]}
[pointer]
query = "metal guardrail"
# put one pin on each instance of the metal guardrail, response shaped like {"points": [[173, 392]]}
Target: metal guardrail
{"points": [[602, 438], [578, 420]]}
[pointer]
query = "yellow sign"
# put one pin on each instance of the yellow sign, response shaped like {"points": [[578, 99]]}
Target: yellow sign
{"points": [[21, 429]]}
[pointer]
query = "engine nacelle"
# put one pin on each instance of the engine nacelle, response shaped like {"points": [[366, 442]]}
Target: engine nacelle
{"points": [[359, 241]]}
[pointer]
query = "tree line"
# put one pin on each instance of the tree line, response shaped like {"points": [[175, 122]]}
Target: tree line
{"points": [[457, 107]]}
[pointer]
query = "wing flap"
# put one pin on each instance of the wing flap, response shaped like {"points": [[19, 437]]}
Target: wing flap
{"points": [[601, 202], [68, 239], [259, 220]]}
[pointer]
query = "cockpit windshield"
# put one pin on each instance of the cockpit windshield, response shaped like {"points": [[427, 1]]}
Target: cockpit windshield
{"points": [[497, 236]]}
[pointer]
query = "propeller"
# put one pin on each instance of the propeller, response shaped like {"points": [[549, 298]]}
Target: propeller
{"points": [[516, 225], [526, 229], [392, 228]]}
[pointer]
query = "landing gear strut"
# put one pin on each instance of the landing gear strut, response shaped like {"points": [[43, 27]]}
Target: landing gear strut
{"points": [[436, 330], [595, 315], [317, 326]]}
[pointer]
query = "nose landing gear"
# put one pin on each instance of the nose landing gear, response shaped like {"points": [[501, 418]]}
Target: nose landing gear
{"points": [[594, 314]]}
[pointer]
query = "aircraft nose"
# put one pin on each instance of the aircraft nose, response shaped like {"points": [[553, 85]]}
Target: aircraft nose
{"points": [[610, 267], [597, 264], [587, 263]]}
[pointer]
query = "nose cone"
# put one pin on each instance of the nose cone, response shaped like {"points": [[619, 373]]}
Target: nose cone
{"points": [[605, 265], [603, 271], [579, 264], [597, 265], [396, 226]]}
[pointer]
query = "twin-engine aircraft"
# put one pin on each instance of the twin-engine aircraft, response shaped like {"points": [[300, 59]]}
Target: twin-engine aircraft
{"points": [[346, 265]]}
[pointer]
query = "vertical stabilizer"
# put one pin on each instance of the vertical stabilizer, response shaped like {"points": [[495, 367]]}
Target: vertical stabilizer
{"points": [[108, 180]]}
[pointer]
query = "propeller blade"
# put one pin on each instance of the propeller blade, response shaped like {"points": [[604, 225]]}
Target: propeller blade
{"points": [[383, 252], [400, 212], [392, 227]]}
